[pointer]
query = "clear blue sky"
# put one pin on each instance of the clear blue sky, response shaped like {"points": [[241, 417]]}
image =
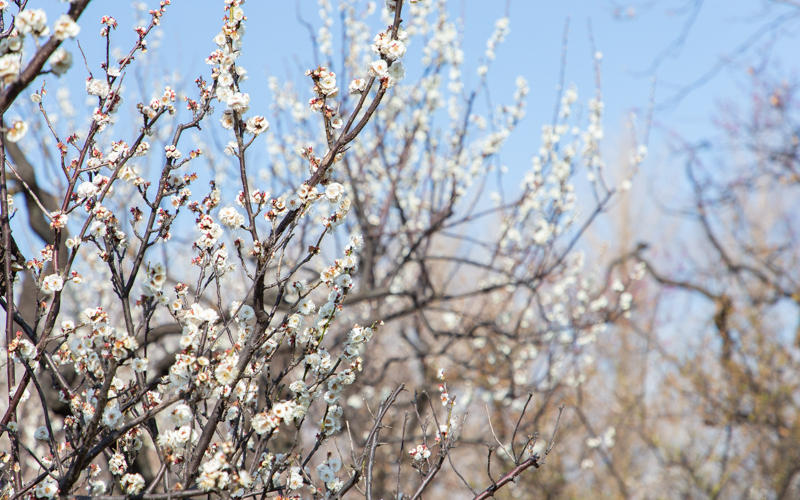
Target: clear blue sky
{"points": [[276, 42]]}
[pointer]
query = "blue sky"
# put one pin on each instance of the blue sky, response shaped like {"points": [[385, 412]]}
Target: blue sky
{"points": [[276, 44]]}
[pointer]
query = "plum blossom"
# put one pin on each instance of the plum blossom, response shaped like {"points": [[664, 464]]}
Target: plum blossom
{"points": [[397, 71], [65, 28], [53, 283], [46, 489], [113, 418], [25, 350], [41, 434], [379, 68], [87, 190], [396, 49], [17, 130], [228, 119], [230, 217], [139, 365], [132, 483], [32, 21], [181, 415], [357, 86], [256, 125], [334, 192], [239, 102], [9, 67], [327, 85], [95, 86]]}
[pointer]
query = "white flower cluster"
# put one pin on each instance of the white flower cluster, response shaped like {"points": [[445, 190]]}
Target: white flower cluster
{"points": [[334, 192], [163, 103], [22, 350], [326, 472], [90, 189], [171, 152], [42, 434], [336, 219], [33, 22], [356, 339], [11, 47], [257, 197], [97, 87], [324, 88], [132, 483], [268, 421], [60, 61], [210, 232], [230, 217], [110, 101], [549, 202], [420, 453], [256, 125], [391, 47], [245, 318], [301, 198], [156, 277], [294, 478], [197, 321], [117, 464], [176, 442], [106, 225], [227, 371], [229, 75], [357, 86], [65, 28], [325, 83], [331, 424], [338, 278], [18, 128], [381, 69], [28, 22], [89, 351], [219, 473], [501, 30], [96, 159], [130, 173], [220, 262], [186, 368], [46, 489]]}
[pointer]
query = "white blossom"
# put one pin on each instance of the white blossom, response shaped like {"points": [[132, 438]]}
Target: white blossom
{"points": [[230, 217], [10, 67], [97, 87], [65, 28], [132, 483], [53, 283], [41, 434], [357, 86], [17, 131], [239, 102], [379, 68], [181, 415], [32, 21], [256, 125], [46, 489]]}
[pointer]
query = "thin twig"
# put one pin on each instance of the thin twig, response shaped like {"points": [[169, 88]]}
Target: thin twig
{"points": [[553, 437], [491, 427]]}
